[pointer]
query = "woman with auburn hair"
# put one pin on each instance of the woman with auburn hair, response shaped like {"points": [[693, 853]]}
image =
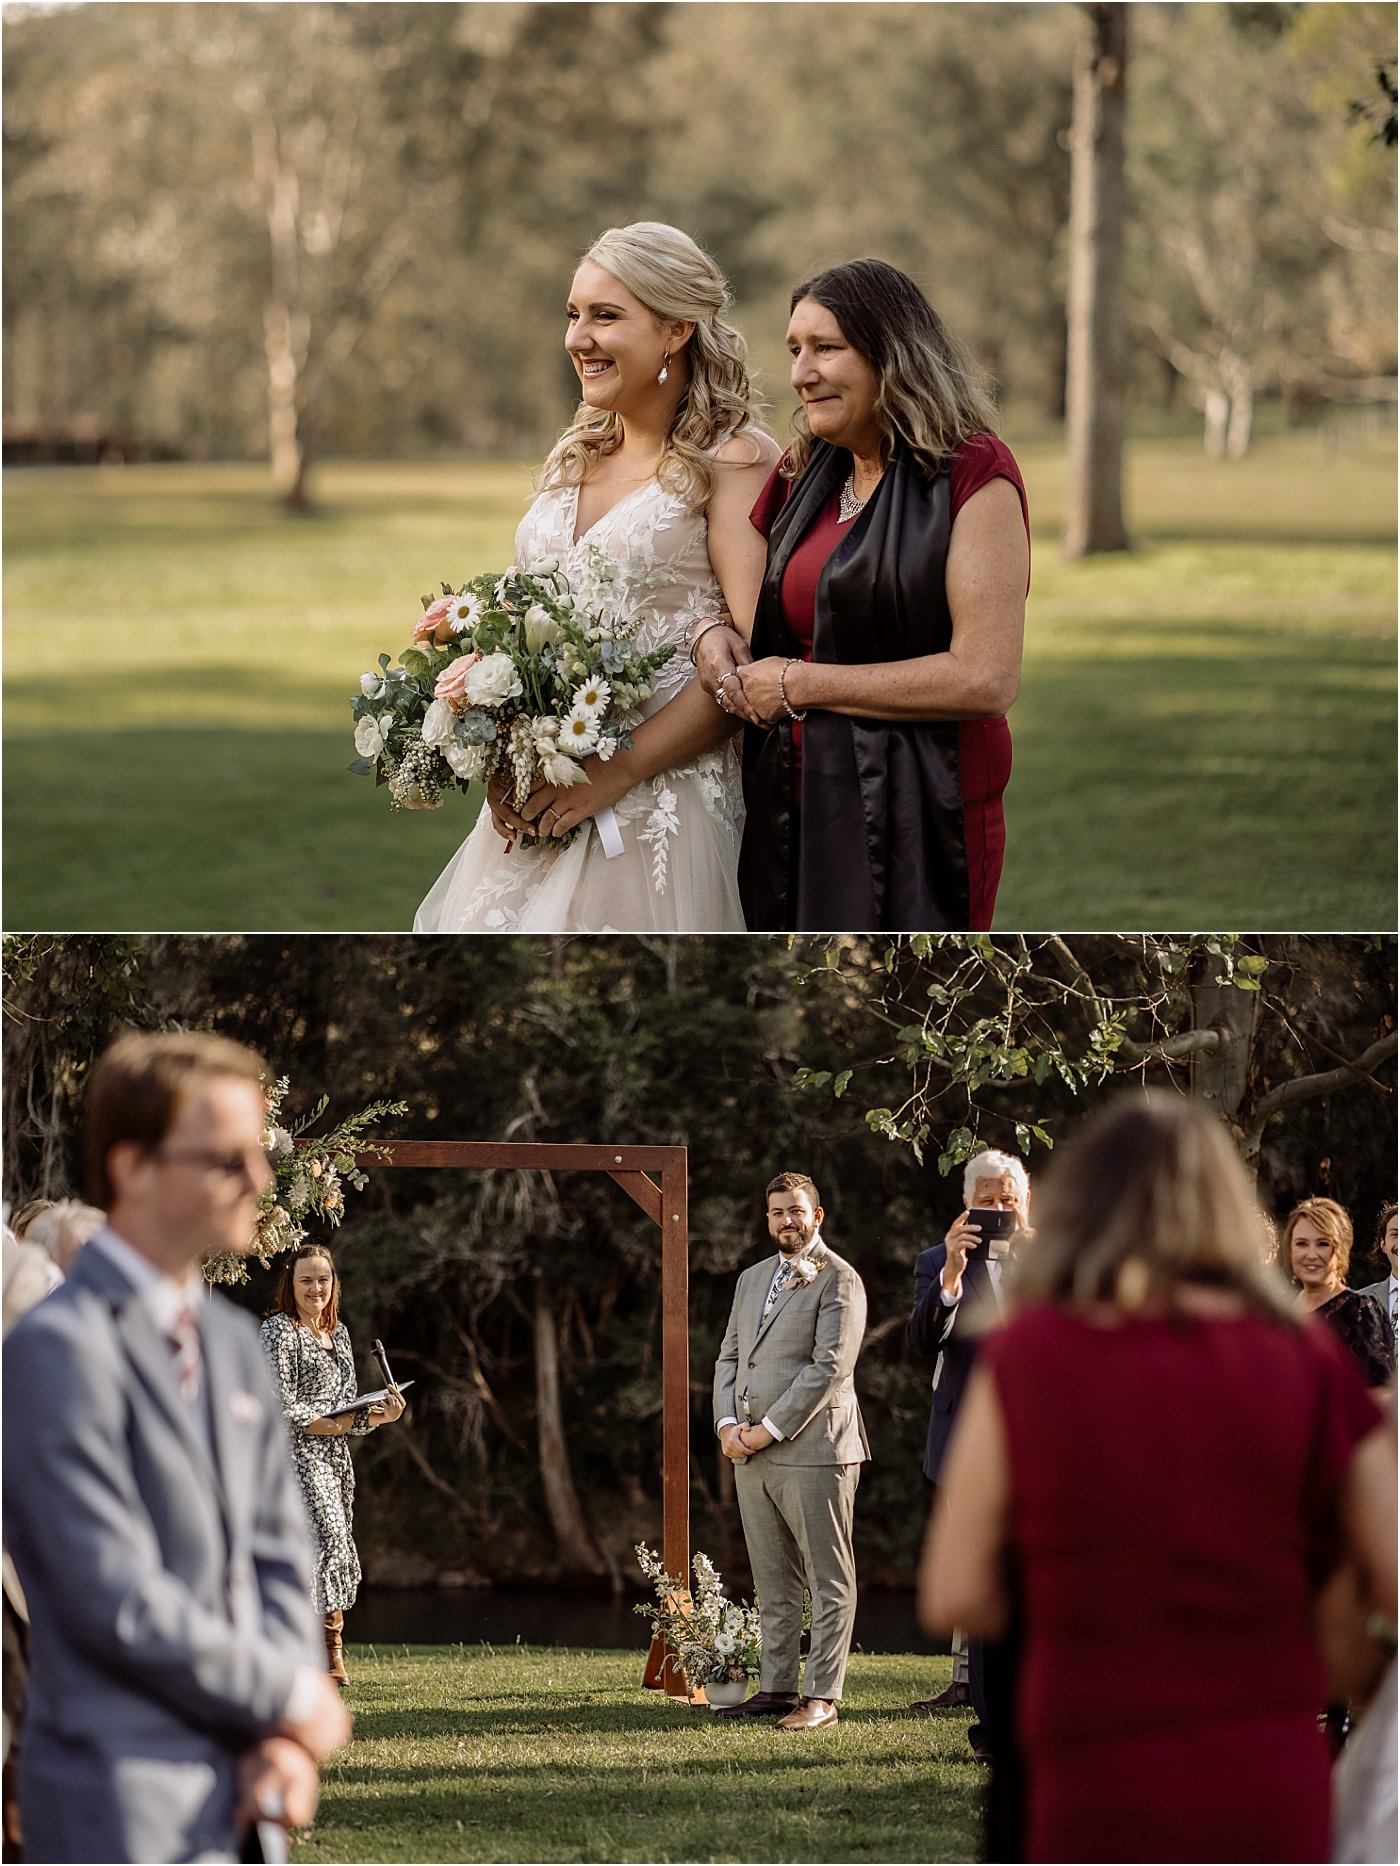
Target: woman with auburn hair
{"points": [[1317, 1238], [1171, 1461], [657, 471], [313, 1365], [886, 647]]}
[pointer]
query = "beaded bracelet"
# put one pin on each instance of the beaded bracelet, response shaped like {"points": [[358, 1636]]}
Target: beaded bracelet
{"points": [[782, 691], [706, 624]]}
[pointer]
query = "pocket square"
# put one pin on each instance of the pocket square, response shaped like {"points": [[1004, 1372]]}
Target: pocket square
{"points": [[246, 1408]]}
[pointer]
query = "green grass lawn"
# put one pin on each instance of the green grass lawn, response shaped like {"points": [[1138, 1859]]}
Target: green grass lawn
{"points": [[532, 1753], [1205, 734]]}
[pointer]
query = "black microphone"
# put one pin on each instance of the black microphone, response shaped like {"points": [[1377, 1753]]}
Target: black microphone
{"points": [[381, 1361]]}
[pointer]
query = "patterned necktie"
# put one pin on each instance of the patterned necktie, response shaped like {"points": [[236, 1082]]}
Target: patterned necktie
{"points": [[778, 1285], [184, 1345]]}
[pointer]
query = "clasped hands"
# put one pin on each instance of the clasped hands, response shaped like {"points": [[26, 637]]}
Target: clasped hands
{"points": [[742, 1441], [554, 809], [746, 688]]}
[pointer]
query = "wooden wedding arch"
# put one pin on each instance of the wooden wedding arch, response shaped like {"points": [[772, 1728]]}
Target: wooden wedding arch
{"points": [[655, 1179]]}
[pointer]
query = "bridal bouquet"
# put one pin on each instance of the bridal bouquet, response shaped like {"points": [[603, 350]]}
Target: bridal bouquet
{"points": [[517, 677], [713, 1640]]}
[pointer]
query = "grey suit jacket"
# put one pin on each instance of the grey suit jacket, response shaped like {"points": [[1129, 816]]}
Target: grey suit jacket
{"points": [[797, 1366], [1379, 1292], [167, 1587]]}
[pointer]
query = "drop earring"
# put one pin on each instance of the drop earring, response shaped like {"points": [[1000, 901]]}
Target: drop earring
{"points": [[665, 367]]}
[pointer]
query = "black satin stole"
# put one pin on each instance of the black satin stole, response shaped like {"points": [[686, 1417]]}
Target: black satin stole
{"points": [[878, 844]]}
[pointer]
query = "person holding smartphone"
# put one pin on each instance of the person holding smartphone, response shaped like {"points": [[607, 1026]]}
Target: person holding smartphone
{"points": [[957, 1298]]}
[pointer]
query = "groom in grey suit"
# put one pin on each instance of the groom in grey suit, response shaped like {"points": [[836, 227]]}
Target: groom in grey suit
{"points": [[177, 1690], [786, 1413]]}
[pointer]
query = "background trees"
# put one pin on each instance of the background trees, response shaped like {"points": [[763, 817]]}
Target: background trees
{"points": [[527, 1305], [240, 229]]}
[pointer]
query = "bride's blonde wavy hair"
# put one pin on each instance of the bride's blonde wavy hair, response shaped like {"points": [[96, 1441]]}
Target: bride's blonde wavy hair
{"points": [[674, 278]]}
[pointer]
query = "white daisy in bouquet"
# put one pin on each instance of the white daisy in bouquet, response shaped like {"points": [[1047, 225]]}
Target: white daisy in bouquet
{"points": [[516, 677]]}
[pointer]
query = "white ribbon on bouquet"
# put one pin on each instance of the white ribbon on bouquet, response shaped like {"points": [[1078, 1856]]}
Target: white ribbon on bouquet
{"points": [[608, 832]]}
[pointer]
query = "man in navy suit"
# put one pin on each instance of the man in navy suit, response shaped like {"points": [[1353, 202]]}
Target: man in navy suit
{"points": [[957, 1296], [178, 1690]]}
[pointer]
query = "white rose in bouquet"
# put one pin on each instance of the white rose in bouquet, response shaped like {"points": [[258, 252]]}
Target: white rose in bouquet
{"points": [[371, 735], [492, 681], [439, 724], [467, 761]]}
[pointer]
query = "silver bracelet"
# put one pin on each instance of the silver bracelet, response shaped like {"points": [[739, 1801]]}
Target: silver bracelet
{"points": [[707, 623], [782, 690]]}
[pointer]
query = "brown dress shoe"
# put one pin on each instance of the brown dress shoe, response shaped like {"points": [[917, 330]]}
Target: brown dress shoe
{"points": [[762, 1704], [811, 1714], [954, 1697]]}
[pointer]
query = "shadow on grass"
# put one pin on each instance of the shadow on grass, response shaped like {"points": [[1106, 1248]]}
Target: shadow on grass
{"points": [[1195, 785]]}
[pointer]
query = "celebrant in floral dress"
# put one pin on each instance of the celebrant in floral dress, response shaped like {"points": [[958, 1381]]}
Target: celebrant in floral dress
{"points": [[655, 476], [313, 1365]]}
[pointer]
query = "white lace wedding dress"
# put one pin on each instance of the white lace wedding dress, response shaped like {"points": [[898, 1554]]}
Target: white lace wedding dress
{"points": [[680, 831]]}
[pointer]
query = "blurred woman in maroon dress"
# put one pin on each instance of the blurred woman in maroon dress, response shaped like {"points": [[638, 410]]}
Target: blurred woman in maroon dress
{"points": [[1317, 1239], [886, 647], [1175, 1460]]}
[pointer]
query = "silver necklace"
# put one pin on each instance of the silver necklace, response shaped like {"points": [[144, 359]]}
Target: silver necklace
{"points": [[850, 506]]}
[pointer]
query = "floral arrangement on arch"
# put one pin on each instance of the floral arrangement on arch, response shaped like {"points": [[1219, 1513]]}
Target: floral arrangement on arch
{"points": [[711, 1639], [516, 678], [309, 1180]]}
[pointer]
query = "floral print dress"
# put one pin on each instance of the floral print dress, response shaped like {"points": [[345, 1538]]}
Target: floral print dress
{"points": [[312, 1380]]}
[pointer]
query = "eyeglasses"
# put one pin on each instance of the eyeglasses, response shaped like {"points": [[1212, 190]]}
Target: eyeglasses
{"points": [[252, 1166]]}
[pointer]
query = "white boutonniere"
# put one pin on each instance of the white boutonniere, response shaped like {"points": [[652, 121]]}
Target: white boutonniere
{"points": [[808, 1267]]}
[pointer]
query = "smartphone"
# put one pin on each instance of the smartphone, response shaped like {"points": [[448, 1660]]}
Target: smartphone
{"points": [[993, 1228]]}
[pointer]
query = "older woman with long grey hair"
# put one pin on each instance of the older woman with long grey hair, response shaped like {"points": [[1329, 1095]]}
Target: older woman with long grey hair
{"points": [[886, 647]]}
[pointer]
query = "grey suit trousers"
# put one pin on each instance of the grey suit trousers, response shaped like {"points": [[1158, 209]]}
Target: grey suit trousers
{"points": [[797, 1524]]}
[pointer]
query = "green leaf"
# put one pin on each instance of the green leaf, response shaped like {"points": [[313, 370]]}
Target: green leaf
{"points": [[361, 767], [839, 1086]]}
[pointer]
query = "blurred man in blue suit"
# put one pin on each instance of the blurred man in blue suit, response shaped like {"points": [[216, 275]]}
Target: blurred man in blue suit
{"points": [[177, 1690]]}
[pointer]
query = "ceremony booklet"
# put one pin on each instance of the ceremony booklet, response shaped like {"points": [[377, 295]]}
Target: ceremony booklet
{"points": [[363, 1399]]}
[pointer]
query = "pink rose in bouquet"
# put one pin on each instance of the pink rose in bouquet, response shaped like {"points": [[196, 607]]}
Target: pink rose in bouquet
{"points": [[436, 621], [451, 683]]}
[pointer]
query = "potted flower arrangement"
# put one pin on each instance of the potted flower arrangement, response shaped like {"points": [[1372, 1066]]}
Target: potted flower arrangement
{"points": [[716, 1643]]}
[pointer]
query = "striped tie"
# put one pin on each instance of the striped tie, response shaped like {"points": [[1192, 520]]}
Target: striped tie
{"points": [[184, 1345]]}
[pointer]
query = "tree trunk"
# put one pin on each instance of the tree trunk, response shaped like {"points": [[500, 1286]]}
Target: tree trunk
{"points": [[1097, 361], [1217, 411], [1241, 425], [287, 423], [578, 1552], [1220, 1076]]}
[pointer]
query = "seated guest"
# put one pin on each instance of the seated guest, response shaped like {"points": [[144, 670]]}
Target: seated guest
{"points": [[63, 1227]]}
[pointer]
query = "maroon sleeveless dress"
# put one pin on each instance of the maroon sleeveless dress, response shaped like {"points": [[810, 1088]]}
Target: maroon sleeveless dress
{"points": [[983, 745], [1174, 1487]]}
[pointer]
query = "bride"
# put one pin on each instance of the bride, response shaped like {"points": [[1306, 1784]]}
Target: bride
{"points": [[659, 470]]}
